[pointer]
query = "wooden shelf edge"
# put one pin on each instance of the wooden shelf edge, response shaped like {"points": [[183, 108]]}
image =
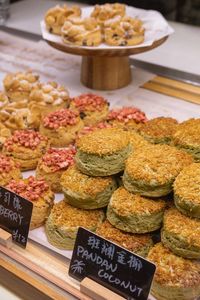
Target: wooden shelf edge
{"points": [[26, 258]]}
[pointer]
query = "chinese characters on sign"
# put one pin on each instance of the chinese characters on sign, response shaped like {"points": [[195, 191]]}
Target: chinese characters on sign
{"points": [[15, 215], [112, 266]]}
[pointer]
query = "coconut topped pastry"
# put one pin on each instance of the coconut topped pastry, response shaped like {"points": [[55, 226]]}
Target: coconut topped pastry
{"points": [[102, 152], [19, 85], [52, 165], [86, 192], [159, 130], [92, 108], [9, 170], [61, 127], [56, 16], [136, 140], [187, 137], [139, 244], [175, 277], [63, 223], [39, 193], [134, 213], [151, 170], [26, 147], [127, 117], [181, 234], [187, 190]]}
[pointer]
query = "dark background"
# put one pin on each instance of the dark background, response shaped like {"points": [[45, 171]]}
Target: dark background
{"points": [[186, 11]]}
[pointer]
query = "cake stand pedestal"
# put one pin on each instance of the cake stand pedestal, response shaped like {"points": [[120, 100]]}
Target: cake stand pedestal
{"points": [[105, 68]]}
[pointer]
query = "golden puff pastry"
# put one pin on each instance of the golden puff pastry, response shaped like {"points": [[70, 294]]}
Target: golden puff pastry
{"points": [[82, 32], [3, 99], [4, 134], [19, 85], [123, 32], [46, 98], [16, 115], [56, 17], [108, 11]]}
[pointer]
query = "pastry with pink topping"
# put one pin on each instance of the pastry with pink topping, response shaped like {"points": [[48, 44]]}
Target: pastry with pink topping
{"points": [[92, 108], [126, 117], [61, 127], [9, 170], [88, 129], [39, 193], [26, 147], [52, 165]]}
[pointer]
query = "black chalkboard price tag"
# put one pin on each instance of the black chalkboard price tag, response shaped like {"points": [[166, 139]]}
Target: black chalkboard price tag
{"points": [[110, 265], [15, 216]]}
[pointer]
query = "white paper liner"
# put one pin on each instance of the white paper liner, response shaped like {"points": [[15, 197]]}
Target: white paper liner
{"points": [[156, 27]]}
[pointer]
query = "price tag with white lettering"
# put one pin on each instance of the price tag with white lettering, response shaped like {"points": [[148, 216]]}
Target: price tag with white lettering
{"points": [[15, 215], [114, 267]]}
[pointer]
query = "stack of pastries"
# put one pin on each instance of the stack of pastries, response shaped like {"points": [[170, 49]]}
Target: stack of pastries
{"points": [[128, 178], [107, 24]]}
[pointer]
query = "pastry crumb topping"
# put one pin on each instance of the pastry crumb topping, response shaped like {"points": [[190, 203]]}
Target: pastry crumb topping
{"points": [[126, 203], [104, 141], [60, 118], [31, 188], [172, 270], [64, 214], [26, 138], [187, 228], [157, 164], [126, 114], [132, 242], [6, 164], [89, 102], [88, 129], [57, 159], [187, 184]]}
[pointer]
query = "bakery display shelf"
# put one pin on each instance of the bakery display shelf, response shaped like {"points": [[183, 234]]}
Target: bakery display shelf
{"points": [[50, 266]]}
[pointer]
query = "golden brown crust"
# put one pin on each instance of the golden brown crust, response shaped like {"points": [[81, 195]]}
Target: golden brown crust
{"points": [[173, 270], [132, 242], [103, 141], [188, 229], [187, 183], [136, 140], [67, 215], [157, 163], [160, 127], [187, 134], [78, 182], [125, 203]]}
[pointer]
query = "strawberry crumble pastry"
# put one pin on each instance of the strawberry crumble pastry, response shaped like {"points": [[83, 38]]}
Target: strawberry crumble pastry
{"points": [[39, 193], [9, 170], [126, 117], [92, 108], [52, 165], [26, 147], [61, 127]]}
